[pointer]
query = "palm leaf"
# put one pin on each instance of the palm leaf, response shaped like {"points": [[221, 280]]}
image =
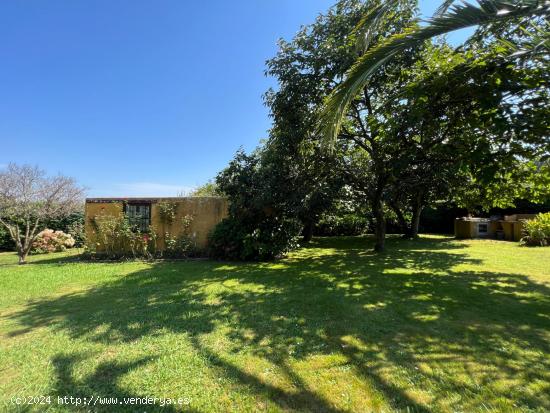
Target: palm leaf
{"points": [[369, 23], [442, 9], [538, 43], [456, 17]]}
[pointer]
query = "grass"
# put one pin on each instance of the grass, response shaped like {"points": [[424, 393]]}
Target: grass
{"points": [[433, 325]]}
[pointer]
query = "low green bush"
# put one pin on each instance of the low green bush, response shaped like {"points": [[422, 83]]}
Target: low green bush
{"points": [[270, 238], [182, 245], [72, 224], [537, 230], [259, 226], [347, 224], [114, 238], [6, 242]]}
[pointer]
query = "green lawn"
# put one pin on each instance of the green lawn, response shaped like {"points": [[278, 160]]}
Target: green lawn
{"points": [[432, 325]]}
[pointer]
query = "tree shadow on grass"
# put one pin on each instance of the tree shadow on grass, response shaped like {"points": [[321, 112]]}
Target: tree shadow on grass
{"points": [[11, 260], [100, 392], [399, 319]]}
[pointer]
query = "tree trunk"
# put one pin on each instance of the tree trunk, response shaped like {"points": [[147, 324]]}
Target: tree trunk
{"points": [[402, 221], [21, 252], [379, 223], [415, 222], [22, 258], [307, 233]]}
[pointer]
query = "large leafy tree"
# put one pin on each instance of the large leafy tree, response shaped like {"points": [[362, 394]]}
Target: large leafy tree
{"points": [[424, 128], [308, 68], [451, 16], [489, 98], [471, 128], [302, 178]]}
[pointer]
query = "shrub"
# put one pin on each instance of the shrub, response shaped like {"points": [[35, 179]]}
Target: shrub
{"points": [[271, 238], [52, 241], [114, 237], [6, 242], [183, 245], [178, 246], [167, 211], [537, 230], [259, 226], [72, 224], [347, 224]]}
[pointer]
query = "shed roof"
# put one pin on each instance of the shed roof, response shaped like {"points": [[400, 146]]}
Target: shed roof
{"points": [[146, 199]]}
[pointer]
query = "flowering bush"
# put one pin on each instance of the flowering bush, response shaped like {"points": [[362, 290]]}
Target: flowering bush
{"points": [[115, 237], [52, 241], [537, 231]]}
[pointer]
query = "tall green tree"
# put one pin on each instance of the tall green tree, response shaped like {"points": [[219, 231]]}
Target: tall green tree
{"points": [[451, 16], [479, 96], [308, 68], [469, 124]]}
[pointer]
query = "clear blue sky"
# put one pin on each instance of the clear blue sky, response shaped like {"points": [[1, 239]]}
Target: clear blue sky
{"points": [[139, 97]]}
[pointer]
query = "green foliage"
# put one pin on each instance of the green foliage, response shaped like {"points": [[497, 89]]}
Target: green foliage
{"points": [[226, 240], [6, 241], [115, 238], [182, 245], [439, 124], [449, 19], [271, 238], [345, 217], [537, 230], [259, 227], [167, 211], [72, 224], [342, 224], [208, 189], [464, 126], [303, 177]]}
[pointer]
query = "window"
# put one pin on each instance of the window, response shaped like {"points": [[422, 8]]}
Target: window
{"points": [[482, 228], [139, 216]]}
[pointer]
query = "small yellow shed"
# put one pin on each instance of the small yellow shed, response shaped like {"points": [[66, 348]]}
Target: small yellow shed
{"points": [[510, 228], [197, 216]]}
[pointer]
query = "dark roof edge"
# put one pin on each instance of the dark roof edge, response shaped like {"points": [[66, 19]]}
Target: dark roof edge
{"points": [[148, 199]]}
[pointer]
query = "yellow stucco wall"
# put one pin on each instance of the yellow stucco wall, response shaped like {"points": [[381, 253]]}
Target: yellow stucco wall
{"points": [[511, 226], [464, 229], [92, 210], [205, 213], [518, 230], [508, 228]]}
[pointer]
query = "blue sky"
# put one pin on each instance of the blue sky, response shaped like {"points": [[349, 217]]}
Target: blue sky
{"points": [[137, 98]]}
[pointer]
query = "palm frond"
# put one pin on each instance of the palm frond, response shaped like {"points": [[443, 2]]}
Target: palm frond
{"points": [[369, 23], [457, 17], [442, 9], [538, 43]]}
